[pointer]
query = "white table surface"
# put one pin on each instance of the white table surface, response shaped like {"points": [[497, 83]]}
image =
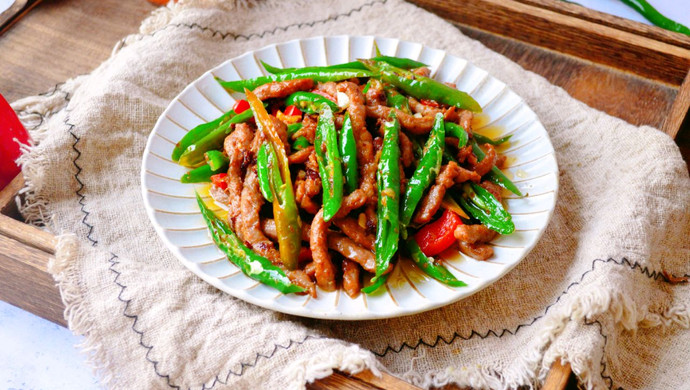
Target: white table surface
{"points": [[38, 354]]}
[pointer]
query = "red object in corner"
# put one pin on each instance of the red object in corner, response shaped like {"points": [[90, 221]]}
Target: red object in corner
{"points": [[11, 134]]}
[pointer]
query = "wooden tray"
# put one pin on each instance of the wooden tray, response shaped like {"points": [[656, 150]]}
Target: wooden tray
{"points": [[630, 70]]}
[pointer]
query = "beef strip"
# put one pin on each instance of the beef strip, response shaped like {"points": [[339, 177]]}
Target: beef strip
{"points": [[450, 174], [281, 89], [408, 122], [351, 283], [237, 148], [318, 242]]}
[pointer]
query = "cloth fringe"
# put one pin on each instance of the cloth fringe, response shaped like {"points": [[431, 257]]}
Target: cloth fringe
{"points": [[66, 275], [533, 368], [34, 112], [350, 359]]}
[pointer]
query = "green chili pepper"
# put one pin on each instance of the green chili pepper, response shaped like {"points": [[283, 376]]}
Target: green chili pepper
{"points": [[348, 153], [366, 87], [330, 165], [194, 154], [480, 204], [293, 128], [301, 143], [430, 267], [216, 159], [397, 100], [202, 174], [457, 131], [481, 139], [251, 264], [417, 148], [426, 171], [199, 132], [655, 17], [285, 214], [422, 87], [388, 181], [495, 175], [264, 165], [376, 284], [314, 73], [448, 157], [309, 102], [404, 63]]}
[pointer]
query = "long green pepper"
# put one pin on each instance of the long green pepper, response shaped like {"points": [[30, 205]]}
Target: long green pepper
{"points": [[404, 63], [426, 171], [397, 100], [249, 262], [422, 87], [198, 133], [457, 131], [481, 139], [285, 213], [431, 268], [330, 165], [495, 175], [388, 182], [216, 163], [314, 73], [348, 153], [482, 205], [194, 154], [309, 102], [265, 170]]}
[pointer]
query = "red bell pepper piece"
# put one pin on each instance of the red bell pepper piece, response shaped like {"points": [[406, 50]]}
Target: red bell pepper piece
{"points": [[438, 236], [219, 180]]}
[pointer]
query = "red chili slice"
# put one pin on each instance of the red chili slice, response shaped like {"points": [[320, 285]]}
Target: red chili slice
{"points": [[292, 111], [241, 106], [219, 180], [430, 103]]}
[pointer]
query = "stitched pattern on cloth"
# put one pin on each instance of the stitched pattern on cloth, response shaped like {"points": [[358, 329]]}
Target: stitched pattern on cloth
{"points": [[624, 262], [649, 273], [223, 35], [439, 338], [90, 227], [82, 197]]}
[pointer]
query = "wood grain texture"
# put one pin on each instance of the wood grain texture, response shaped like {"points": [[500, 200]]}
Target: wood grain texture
{"points": [[680, 109], [25, 282], [8, 193], [634, 99], [364, 380], [641, 29], [60, 39], [558, 376], [547, 28], [27, 234]]}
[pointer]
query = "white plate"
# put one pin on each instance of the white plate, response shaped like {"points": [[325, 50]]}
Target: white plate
{"points": [[176, 217]]}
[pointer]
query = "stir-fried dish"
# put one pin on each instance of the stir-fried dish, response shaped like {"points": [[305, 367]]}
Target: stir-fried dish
{"points": [[330, 174]]}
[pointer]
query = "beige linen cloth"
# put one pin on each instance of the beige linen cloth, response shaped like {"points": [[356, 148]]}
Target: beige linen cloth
{"points": [[591, 293]]}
